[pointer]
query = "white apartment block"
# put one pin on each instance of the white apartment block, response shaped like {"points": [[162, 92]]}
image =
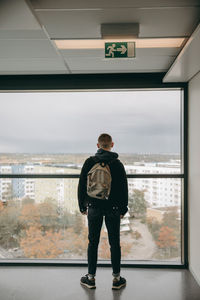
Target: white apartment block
{"points": [[29, 183], [159, 192], [5, 183], [62, 191]]}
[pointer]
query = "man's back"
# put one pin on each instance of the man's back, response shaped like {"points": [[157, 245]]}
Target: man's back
{"points": [[119, 188]]}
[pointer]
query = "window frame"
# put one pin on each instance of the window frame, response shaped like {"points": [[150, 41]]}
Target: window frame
{"points": [[107, 82]]}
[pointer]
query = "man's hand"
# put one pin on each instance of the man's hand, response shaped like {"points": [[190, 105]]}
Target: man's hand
{"points": [[84, 212], [121, 216]]}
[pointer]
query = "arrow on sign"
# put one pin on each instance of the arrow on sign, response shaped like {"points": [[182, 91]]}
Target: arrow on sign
{"points": [[123, 49]]}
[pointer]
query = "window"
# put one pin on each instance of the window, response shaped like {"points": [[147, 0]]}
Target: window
{"points": [[43, 150]]}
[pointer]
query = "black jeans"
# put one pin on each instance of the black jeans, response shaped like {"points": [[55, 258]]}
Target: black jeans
{"points": [[112, 221]]}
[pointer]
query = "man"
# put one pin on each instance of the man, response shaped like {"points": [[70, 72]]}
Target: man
{"points": [[113, 209]]}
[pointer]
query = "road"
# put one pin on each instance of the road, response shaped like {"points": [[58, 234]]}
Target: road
{"points": [[144, 247]]}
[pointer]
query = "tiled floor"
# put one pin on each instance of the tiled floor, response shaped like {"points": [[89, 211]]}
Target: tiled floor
{"points": [[62, 283]]}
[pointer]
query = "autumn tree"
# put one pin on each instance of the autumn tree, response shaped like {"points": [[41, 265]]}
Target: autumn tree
{"points": [[37, 244], [153, 226], [1, 206], [171, 218], [76, 243], [43, 215], [50, 200], [48, 217], [27, 200], [30, 215], [66, 220], [166, 239], [78, 223]]}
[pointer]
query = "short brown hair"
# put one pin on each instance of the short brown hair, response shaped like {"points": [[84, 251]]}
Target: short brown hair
{"points": [[105, 140]]}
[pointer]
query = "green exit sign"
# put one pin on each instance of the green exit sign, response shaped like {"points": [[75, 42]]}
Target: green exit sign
{"points": [[120, 50]]}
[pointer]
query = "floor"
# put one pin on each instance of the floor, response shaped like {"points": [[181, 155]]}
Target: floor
{"points": [[62, 283]]}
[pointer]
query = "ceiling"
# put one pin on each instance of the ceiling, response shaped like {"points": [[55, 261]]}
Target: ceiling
{"points": [[28, 30]]}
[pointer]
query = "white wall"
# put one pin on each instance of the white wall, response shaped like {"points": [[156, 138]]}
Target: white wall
{"points": [[194, 176]]}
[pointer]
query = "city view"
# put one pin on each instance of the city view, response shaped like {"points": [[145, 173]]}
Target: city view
{"points": [[40, 218], [52, 133]]}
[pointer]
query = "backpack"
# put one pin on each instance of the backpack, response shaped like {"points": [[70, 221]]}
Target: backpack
{"points": [[99, 181]]}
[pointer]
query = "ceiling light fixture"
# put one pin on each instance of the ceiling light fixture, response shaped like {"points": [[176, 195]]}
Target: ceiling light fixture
{"points": [[139, 43]]}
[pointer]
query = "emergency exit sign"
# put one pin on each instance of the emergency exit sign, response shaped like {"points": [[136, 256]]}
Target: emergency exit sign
{"points": [[120, 50]]}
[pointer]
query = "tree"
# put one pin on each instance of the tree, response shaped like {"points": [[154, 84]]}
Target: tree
{"points": [[48, 216], [50, 200], [1, 206], [36, 244], [166, 239], [65, 220], [27, 200], [137, 203], [10, 226], [171, 219], [76, 243], [78, 223], [43, 215], [154, 227], [30, 215]]}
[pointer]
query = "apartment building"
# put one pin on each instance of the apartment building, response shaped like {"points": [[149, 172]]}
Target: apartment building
{"points": [[5, 184], [159, 192]]}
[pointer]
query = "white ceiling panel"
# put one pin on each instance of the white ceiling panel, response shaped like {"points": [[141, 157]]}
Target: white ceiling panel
{"points": [[88, 4], [22, 34], [16, 14], [18, 21], [32, 66], [27, 49], [162, 22], [95, 64]]}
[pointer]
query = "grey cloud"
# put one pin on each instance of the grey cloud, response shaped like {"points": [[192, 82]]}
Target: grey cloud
{"points": [[139, 121]]}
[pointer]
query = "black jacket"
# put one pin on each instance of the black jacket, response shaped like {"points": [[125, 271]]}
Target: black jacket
{"points": [[119, 187]]}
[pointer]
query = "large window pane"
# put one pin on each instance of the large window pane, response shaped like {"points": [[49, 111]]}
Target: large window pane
{"points": [[55, 132], [39, 218]]}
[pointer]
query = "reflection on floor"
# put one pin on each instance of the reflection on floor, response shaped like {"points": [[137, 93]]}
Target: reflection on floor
{"points": [[59, 283]]}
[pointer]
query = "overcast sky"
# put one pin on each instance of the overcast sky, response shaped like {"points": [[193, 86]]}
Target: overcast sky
{"points": [[70, 122]]}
